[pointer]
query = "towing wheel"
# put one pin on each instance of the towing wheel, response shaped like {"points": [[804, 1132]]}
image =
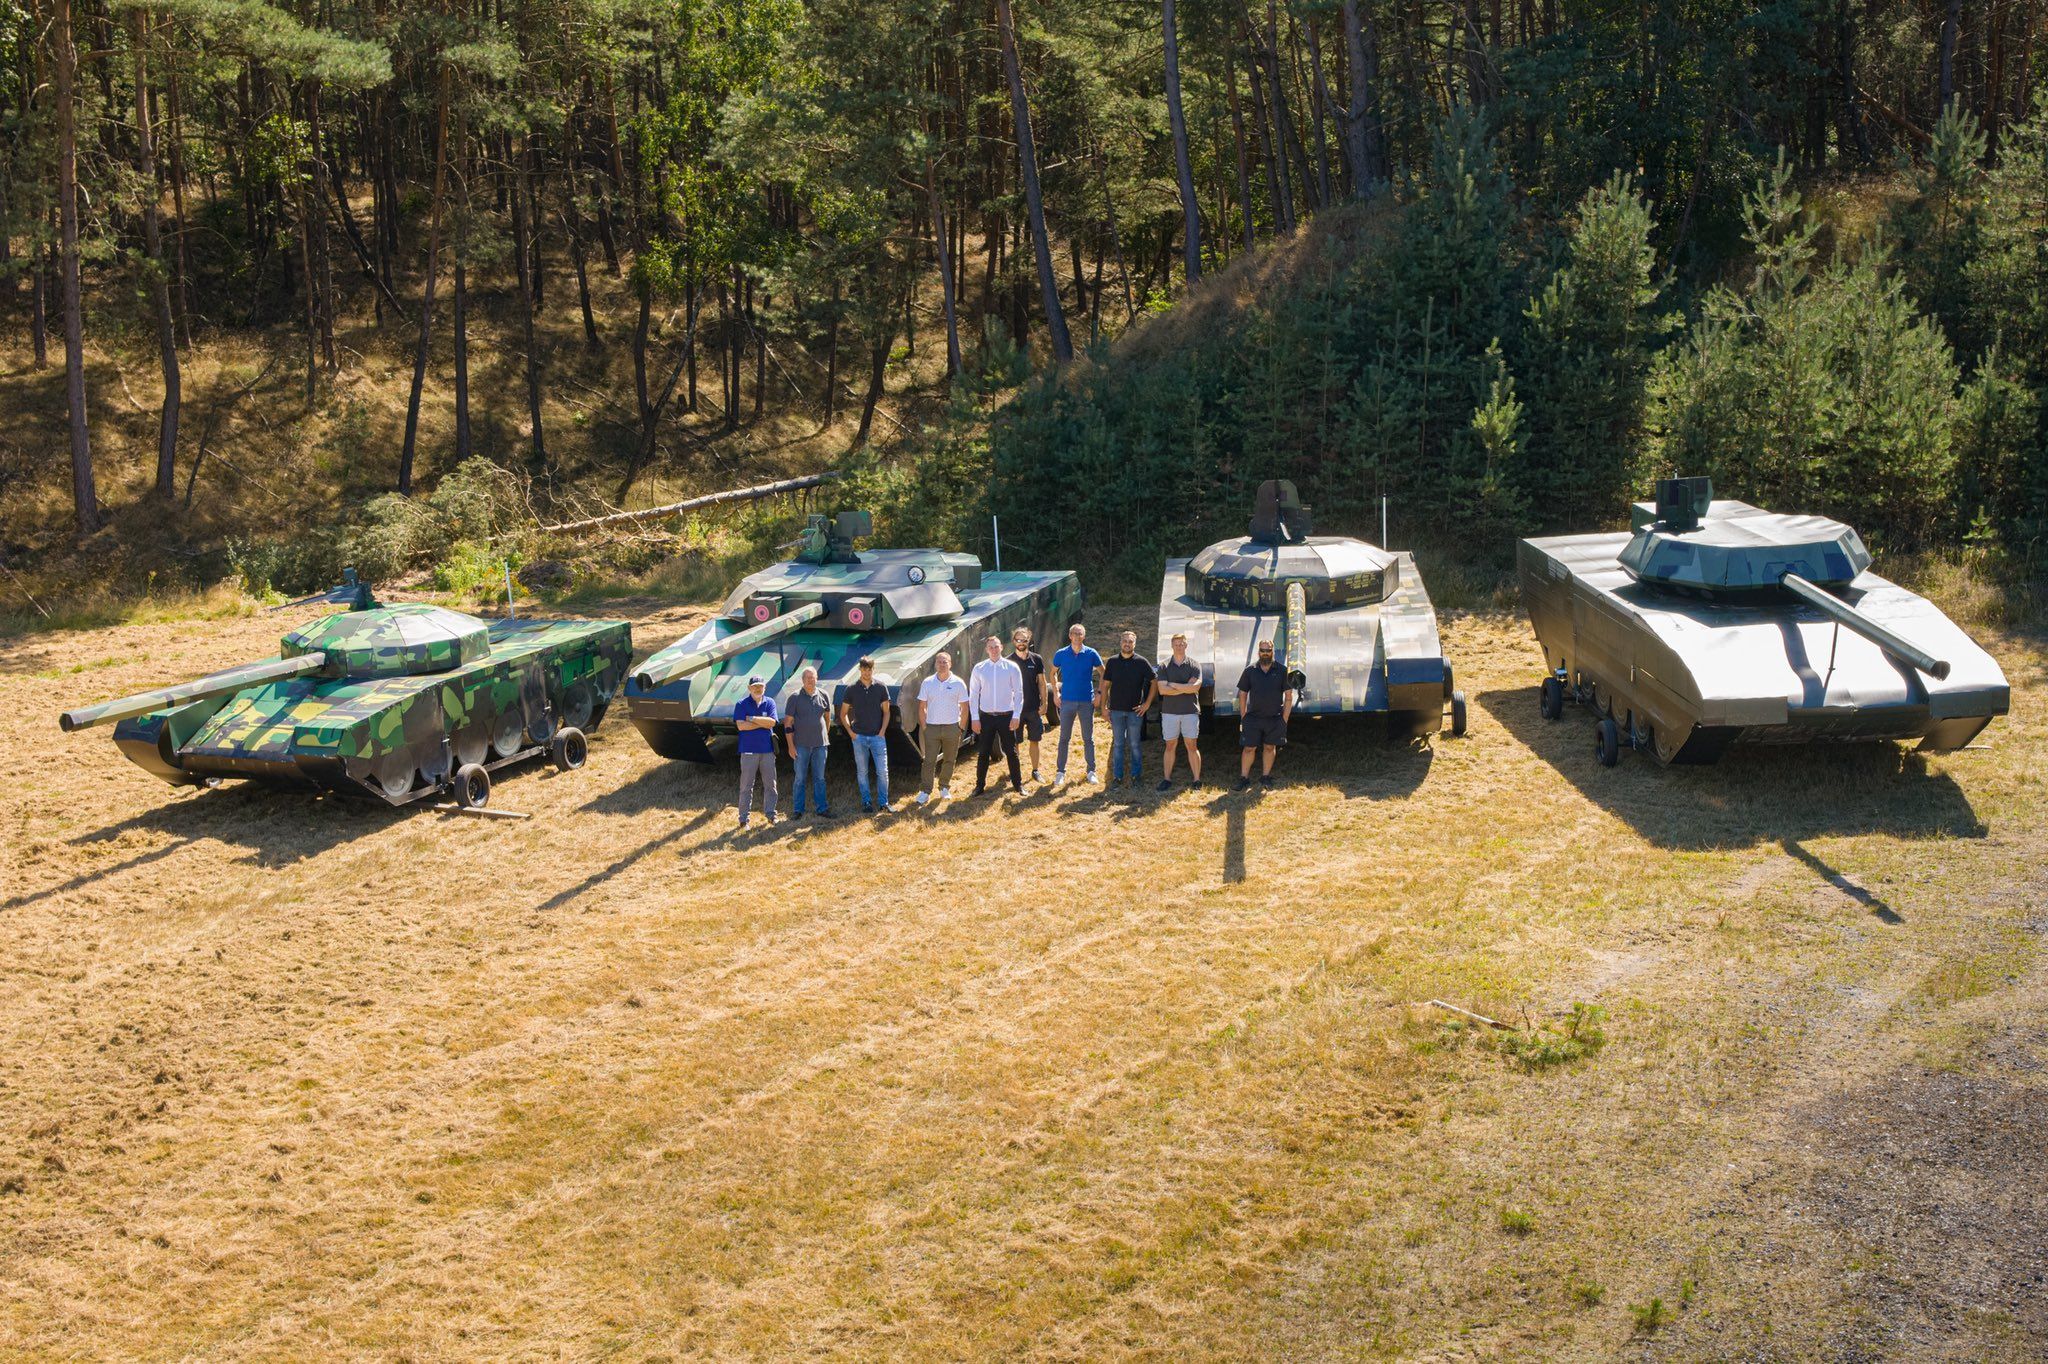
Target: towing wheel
{"points": [[569, 750], [1457, 715], [472, 786], [1552, 698], [1607, 742]]}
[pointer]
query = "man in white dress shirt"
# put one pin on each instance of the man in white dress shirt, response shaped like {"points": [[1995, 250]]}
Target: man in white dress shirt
{"points": [[995, 707]]}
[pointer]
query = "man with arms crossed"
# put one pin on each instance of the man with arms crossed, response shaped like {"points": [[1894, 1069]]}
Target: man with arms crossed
{"points": [[941, 717], [1132, 685], [809, 726], [754, 717], [1031, 667], [995, 696], [1080, 673], [864, 711], [1180, 710], [1264, 704]]}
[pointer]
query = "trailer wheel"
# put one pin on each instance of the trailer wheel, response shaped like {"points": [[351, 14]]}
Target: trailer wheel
{"points": [[1607, 742], [569, 750], [472, 786], [1552, 698], [1457, 715]]}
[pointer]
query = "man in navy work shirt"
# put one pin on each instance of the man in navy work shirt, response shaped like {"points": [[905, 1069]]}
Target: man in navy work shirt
{"points": [[1264, 704], [754, 716], [1031, 667], [1080, 672]]}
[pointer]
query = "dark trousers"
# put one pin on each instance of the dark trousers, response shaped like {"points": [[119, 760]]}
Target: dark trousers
{"points": [[996, 734]]}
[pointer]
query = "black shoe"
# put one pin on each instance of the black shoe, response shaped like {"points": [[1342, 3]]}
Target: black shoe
{"points": [[1244, 783], [1193, 782], [1165, 784], [824, 814], [1266, 780], [1017, 790]]}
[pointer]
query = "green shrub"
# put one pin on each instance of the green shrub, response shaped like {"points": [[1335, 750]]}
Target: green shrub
{"points": [[1540, 1048]]}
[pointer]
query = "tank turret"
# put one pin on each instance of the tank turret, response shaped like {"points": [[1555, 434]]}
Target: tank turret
{"points": [[1687, 543], [1253, 572]]}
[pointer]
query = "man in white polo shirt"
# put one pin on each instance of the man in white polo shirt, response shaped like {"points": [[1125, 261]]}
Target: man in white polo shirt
{"points": [[995, 704], [941, 718]]}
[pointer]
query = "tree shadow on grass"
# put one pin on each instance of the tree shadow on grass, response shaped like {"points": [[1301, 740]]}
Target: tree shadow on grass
{"points": [[1755, 794]]}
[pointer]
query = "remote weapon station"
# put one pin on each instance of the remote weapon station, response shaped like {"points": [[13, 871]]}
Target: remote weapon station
{"points": [[393, 702], [1714, 622], [1351, 623], [826, 609]]}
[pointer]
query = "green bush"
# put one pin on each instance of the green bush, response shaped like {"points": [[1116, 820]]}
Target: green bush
{"points": [[1540, 1048]]}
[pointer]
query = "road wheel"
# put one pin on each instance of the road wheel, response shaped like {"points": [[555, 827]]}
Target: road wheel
{"points": [[1607, 742], [472, 786], [1552, 698], [569, 751], [1457, 715], [508, 732], [578, 704], [394, 773]]}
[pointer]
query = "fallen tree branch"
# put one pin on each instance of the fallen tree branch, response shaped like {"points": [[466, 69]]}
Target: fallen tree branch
{"points": [[787, 485], [1489, 1022]]}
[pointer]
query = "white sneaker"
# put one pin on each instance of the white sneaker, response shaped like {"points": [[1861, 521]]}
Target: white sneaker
{"points": [[945, 792], [924, 798], [1091, 778]]}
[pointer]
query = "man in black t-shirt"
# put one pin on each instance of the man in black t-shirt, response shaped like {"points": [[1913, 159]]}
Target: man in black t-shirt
{"points": [[1033, 667], [864, 711], [1264, 704], [1132, 684]]}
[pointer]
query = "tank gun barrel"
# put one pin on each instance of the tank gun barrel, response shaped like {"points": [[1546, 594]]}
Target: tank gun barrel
{"points": [[1294, 641], [1850, 618], [202, 689], [648, 676]]}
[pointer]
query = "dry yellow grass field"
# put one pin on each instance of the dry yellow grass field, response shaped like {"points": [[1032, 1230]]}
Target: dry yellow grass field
{"points": [[1075, 1076]]}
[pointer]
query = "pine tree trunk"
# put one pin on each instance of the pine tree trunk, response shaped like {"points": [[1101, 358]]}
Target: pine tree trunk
{"points": [[39, 306], [316, 226], [1034, 205], [1316, 102], [832, 359], [177, 146], [522, 246], [1950, 25], [419, 359], [878, 372], [1276, 174], [1191, 216], [1283, 125], [1244, 174], [153, 256], [572, 227], [463, 447], [1362, 131], [84, 496], [943, 241]]}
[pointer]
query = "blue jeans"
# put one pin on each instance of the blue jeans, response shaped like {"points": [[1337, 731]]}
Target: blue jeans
{"points": [[1076, 715], [810, 762], [871, 751], [1126, 729]]}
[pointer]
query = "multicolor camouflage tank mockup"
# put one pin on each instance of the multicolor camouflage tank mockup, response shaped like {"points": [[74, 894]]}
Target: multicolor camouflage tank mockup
{"points": [[1352, 623], [1710, 623], [397, 702], [826, 609]]}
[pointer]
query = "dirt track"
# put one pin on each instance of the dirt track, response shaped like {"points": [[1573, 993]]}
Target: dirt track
{"points": [[1074, 1076]]}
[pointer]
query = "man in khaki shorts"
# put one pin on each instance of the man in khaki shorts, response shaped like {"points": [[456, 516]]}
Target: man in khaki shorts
{"points": [[1180, 710]]}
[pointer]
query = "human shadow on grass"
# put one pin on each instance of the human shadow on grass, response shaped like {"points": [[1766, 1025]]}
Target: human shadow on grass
{"points": [[1755, 793]]}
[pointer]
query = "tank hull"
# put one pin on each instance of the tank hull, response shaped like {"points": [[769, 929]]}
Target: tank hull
{"points": [[394, 739], [1687, 676], [680, 717], [1380, 658]]}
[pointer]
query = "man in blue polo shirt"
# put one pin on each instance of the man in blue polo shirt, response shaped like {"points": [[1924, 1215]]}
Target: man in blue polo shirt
{"points": [[1080, 672], [754, 717]]}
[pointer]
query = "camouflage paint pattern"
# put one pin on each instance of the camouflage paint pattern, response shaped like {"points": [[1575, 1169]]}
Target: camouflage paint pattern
{"points": [[1380, 656], [404, 694], [1686, 674], [902, 606]]}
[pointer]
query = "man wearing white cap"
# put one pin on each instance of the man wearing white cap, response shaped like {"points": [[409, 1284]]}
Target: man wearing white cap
{"points": [[754, 717]]}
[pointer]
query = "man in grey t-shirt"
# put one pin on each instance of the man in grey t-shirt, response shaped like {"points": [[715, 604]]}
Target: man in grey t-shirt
{"points": [[1180, 710], [807, 718]]}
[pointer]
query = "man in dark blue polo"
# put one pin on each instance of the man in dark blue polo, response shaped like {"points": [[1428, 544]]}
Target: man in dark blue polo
{"points": [[754, 717], [1264, 704]]}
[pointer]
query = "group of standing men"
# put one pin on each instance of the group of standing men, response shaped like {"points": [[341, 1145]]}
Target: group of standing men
{"points": [[1003, 701]]}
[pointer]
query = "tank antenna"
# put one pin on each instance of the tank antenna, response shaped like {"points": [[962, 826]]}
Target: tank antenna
{"points": [[996, 524], [511, 612], [1383, 522]]}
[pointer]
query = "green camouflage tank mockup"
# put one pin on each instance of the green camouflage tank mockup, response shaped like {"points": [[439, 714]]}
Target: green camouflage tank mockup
{"points": [[826, 609], [397, 702], [1714, 622], [1351, 623]]}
